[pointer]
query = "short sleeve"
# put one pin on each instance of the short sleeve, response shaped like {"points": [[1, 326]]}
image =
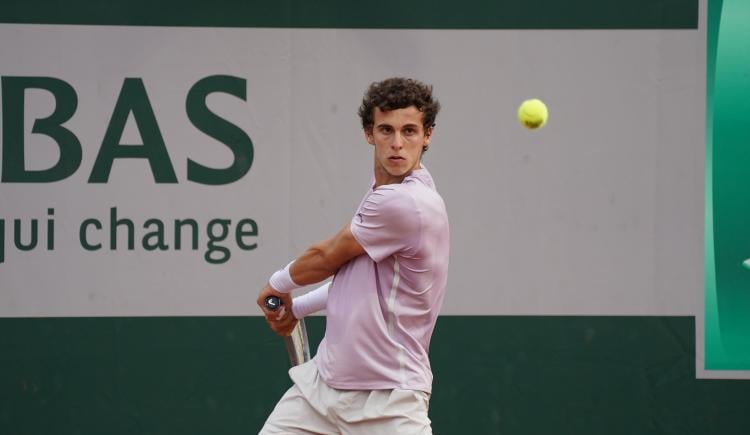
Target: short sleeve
{"points": [[387, 222]]}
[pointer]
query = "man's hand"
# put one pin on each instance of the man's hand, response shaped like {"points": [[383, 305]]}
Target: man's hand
{"points": [[281, 321]]}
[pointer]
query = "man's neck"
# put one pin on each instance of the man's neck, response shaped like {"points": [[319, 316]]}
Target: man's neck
{"points": [[382, 177]]}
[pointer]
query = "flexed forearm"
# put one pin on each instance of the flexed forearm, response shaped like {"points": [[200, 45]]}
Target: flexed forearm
{"points": [[318, 262], [323, 259]]}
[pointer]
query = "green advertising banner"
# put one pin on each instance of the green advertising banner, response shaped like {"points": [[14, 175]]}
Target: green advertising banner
{"points": [[727, 327]]}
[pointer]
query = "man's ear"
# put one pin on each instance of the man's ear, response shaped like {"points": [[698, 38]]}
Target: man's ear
{"points": [[427, 135], [368, 135]]}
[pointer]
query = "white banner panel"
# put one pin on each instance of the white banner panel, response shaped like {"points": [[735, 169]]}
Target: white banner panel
{"points": [[600, 212]]}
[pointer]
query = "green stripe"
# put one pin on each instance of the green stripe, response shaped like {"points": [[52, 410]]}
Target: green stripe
{"points": [[420, 14], [493, 375], [727, 297]]}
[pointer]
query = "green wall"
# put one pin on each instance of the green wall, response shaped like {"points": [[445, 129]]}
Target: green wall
{"points": [[493, 375]]}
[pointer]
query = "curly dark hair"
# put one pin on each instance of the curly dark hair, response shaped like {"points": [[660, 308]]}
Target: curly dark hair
{"points": [[399, 93]]}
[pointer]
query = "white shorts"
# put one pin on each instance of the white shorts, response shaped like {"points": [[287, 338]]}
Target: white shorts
{"points": [[312, 407]]}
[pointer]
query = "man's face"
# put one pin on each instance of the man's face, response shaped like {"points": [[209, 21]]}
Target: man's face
{"points": [[398, 137]]}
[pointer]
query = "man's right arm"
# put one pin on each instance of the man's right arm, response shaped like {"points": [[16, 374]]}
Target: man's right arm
{"points": [[317, 263]]}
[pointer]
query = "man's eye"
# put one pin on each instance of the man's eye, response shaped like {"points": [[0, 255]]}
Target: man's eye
{"points": [[410, 131]]}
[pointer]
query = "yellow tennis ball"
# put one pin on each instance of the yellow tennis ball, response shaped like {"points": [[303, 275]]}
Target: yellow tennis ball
{"points": [[532, 113]]}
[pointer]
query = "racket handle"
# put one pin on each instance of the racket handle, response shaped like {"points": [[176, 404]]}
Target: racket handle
{"points": [[297, 345], [273, 303]]}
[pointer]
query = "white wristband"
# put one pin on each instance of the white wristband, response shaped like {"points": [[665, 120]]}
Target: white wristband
{"points": [[312, 302], [281, 280]]}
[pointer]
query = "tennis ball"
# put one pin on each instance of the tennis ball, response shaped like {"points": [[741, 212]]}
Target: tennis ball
{"points": [[532, 113]]}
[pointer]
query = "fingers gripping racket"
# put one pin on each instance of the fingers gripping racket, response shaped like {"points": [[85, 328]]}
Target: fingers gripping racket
{"points": [[297, 345]]}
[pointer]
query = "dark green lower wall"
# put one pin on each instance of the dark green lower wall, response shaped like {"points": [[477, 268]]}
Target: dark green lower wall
{"points": [[493, 375]]}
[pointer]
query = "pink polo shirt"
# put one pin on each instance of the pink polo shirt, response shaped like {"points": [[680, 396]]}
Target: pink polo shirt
{"points": [[382, 306]]}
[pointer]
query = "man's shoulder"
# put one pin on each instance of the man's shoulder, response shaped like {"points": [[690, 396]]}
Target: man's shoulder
{"points": [[407, 202], [393, 198], [414, 193]]}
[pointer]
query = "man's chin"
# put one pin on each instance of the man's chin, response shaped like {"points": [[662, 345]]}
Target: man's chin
{"points": [[399, 174]]}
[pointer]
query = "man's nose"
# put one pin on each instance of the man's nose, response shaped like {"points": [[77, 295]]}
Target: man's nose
{"points": [[398, 141]]}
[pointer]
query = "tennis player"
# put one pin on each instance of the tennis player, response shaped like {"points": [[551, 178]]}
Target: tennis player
{"points": [[371, 374]]}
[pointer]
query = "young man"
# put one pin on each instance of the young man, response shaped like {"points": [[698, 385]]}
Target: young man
{"points": [[371, 374]]}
